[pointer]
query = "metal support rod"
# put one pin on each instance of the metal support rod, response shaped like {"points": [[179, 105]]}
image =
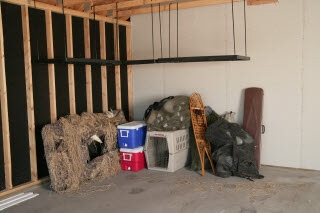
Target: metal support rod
{"points": [[245, 26], [160, 31], [177, 30], [169, 28], [152, 31], [234, 37], [117, 34]]}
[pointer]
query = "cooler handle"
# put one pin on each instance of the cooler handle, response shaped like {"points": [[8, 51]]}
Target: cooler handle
{"points": [[124, 133], [127, 156]]}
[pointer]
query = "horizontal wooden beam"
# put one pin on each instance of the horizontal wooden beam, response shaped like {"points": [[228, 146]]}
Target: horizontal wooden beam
{"points": [[183, 5], [73, 2], [23, 186], [128, 4], [257, 2], [58, 9]]}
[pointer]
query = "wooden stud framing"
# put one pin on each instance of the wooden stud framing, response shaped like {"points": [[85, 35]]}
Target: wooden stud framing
{"points": [[57, 9], [86, 25], [129, 73], [29, 92], [103, 68], [51, 78], [73, 2], [117, 68], [51, 70], [72, 97], [4, 113]]}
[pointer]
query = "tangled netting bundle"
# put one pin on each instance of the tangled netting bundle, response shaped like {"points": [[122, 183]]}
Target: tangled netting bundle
{"points": [[233, 150], [82, 148]]}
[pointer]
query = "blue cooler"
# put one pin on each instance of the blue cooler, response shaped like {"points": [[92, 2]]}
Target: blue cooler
{"points": [[132, 134]]}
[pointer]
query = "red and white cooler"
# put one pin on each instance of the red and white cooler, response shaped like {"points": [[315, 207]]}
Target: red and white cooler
{"points": [[132, 159]]}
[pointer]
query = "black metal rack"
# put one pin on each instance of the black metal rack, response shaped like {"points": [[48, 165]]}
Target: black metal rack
{"points": [[77, 61], [176, 59]]}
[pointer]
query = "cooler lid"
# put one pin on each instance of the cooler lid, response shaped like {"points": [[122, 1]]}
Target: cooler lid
{"points": [[132, 125], [135, 150]]}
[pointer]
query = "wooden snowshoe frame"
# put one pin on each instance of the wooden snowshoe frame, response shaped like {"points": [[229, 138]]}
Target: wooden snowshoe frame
{"points": [[199, 124]]}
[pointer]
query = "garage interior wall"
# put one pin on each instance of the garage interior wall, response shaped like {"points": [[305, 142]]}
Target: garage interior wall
{"points": [[33, 94], [283, 40]]}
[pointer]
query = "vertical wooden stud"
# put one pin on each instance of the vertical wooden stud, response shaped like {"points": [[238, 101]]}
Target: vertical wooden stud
{"points": [[103, 56], [70, 66], [117, 67], [4, 113], [50, 53], [129, 73], [29, 92], [86, 26]]}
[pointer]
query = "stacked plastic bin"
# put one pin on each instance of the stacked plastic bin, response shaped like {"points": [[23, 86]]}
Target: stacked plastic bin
{"points": [[131, 139]]}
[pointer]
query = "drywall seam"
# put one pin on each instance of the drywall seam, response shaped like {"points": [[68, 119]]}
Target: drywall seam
{"points": [[302, 70]]}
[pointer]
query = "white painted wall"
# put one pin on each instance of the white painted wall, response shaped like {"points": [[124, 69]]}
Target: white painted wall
{"points": [[283, 43]]}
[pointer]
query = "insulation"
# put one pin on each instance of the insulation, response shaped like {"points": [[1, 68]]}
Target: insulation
{"points": [[61, 70], [38, 44], [66, 145], [80, 73], [110, 69], [16, 93], [95, 69], [123, 71]]}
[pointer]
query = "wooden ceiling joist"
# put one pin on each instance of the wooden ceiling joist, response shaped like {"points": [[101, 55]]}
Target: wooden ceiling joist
{"points": [[257, 2], [128, 4], [105, 10], [183, 5]]}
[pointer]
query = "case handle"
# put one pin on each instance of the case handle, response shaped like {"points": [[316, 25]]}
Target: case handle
{"points": [[124, 133], [127, 156]]}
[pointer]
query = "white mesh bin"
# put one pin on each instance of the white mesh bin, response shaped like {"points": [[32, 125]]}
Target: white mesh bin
{"points": [[167, 151], [176, 140]]}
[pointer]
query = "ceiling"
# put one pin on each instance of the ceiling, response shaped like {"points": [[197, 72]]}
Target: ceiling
{"points": [[123, 9]]}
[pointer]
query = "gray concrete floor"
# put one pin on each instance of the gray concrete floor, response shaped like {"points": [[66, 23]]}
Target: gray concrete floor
{"points": [[282, 190]]}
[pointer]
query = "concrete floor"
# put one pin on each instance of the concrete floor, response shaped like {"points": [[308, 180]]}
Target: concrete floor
{"points": [[282, 190]]}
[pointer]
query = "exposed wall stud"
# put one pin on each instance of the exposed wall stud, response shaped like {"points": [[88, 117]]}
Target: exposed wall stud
{"points": [[103, 55], [51, 70], [86, 25], [4, 113], [129, 73], [29, 92], [69, 39], [117, 68]]}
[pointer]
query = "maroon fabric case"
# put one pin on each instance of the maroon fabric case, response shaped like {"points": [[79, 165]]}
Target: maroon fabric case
{"points": [[252, 118]]}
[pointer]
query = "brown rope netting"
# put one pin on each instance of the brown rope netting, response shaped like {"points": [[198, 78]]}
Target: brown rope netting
{"points": [[66, 146]]}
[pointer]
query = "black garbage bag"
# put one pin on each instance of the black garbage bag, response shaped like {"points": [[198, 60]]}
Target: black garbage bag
{"points": [[233, 150], [223, 161]]}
